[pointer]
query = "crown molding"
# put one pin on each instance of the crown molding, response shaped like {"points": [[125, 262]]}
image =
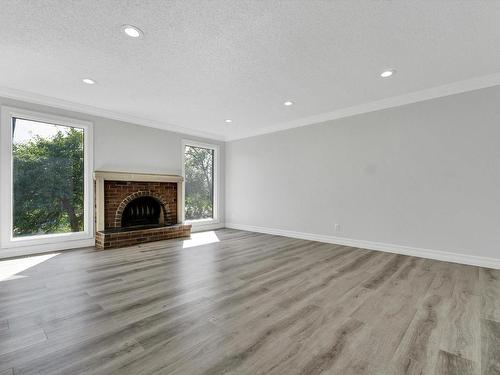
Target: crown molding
{"points": [[395, 101], [34, 98]]}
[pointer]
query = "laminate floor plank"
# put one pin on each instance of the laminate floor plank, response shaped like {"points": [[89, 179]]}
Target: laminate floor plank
{"points": [[10, 340], [248, 303], [490, 350], [395, 303], [450, 364], [490, 293], [4, 325], [462, 331]]}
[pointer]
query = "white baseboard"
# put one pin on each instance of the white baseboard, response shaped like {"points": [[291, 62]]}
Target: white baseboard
{"points": [[204, 227], [370, 245], [45, 248]]}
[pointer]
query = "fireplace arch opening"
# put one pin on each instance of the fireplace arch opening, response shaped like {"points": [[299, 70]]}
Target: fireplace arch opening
{"points": [[143, 211]]}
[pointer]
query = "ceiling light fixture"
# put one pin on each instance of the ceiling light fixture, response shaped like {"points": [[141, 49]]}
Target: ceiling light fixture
{"points": [[288, 103], [88, 81], [387, 73], [228, 121], [132, 31]]}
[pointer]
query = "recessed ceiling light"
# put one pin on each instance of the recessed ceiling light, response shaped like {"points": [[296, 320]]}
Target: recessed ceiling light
{"points": [[387, 73], [228, 121], [132, 31], [288, 103], [89, 81]]}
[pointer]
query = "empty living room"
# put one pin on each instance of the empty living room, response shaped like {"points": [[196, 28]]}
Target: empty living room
{"points": [[249, 187]]}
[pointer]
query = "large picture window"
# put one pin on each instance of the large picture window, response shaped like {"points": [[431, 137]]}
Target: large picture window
{"points": [[48, 178], [46, 166], [200, 174]]}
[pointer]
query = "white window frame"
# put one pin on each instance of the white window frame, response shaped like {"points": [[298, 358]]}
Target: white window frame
{"points": [[6, 186], [215, 148]]}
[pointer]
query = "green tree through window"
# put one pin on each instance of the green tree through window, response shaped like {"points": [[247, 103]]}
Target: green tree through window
{"points": [[199, 173], [48, 178]]}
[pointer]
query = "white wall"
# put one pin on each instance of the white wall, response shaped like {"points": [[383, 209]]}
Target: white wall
{"points": [[425, 175], [120, 146]]}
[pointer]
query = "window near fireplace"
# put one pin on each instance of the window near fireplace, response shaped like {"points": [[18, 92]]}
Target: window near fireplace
{"points": [[47, 172], [200, 181], [47, 176]]}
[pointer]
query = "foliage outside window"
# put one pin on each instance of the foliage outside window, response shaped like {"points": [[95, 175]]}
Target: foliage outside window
{"points": [[199, 180], [48, 178]]}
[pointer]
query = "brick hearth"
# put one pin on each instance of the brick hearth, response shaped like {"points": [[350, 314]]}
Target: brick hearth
{"points": [[111, 238]]}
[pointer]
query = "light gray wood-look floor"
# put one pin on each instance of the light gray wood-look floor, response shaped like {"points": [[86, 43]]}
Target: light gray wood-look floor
{"points": [[249, 304]]}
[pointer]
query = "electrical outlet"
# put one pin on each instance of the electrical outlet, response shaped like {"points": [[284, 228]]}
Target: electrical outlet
{"points": [[337, 227]]}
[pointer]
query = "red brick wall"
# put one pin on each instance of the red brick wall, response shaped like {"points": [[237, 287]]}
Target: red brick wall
{"points": [[115, 192]]}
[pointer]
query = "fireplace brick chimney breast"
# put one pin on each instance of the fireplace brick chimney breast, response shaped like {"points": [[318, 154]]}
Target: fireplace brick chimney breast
{"points": [[117, 194], [116, 190]]}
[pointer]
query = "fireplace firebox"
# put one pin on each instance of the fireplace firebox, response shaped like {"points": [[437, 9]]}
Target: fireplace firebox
{"points": [[142, 211]]}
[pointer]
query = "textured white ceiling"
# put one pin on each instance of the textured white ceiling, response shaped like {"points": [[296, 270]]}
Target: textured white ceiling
{"points": [[204, 61]]}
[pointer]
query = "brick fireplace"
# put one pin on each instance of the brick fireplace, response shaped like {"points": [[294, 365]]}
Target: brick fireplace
{"points": [[133, 208]]}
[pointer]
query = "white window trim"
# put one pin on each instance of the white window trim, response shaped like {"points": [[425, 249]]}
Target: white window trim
{"points": [[215, 148], [6, 193]]}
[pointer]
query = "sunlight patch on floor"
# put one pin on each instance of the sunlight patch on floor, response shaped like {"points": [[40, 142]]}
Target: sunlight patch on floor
{"points": [[202, 238], [9, 269]]}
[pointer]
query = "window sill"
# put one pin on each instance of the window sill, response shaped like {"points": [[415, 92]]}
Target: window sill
{"points": [[201, 222], [44, 248], [204, 225], [46, 239]]}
